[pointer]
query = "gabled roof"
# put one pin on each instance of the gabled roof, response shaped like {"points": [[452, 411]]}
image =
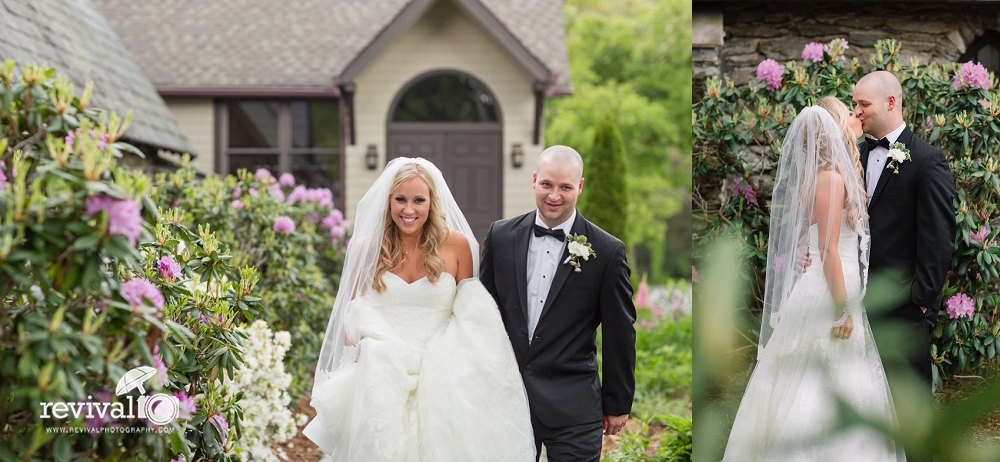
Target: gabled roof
{"points": [[73, 37], [307, 43]]}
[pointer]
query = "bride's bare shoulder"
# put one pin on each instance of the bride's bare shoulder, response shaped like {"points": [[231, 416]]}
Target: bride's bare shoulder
{"points": [[457, 243]]}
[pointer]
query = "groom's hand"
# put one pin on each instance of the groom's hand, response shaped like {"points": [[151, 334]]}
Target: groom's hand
{"points": [[614, 423]]}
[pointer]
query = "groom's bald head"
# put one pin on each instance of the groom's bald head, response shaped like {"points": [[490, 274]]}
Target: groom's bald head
{"points": [[562, 155], [879, 103]]}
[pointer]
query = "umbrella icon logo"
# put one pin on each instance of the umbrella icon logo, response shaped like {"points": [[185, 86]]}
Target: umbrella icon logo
{"points": [[160, 408]]}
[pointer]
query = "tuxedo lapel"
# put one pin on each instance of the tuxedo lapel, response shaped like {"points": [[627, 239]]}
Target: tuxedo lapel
{"points": [[521, 237], [562, 271]]}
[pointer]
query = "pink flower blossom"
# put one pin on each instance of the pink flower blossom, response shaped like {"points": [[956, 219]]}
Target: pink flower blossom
{"points": [[284, 225], [813, 52], [135, 290], [168, 267], [3, 179], [263, 176], [973, 75], [980, 236], [237, 192], [221, 426], [961, 305], [338, 232], [982, 102], [750, 194], [645, 325], [237, 204], [253, 192], [779, 262], [160, 378], [276, 192], [736, 188], [770, 72], [286, 179], [187, 407], [642, 295], [94, 420], [836, 47], [743, 186], [124, 218]]}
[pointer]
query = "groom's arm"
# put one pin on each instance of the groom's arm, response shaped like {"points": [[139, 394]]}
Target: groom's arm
{"points": [[618, 336], [486, 265], [936, 229]]}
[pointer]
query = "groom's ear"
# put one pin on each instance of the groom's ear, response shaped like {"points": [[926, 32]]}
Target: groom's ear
{"points": [[892, 102], [581, 184]]}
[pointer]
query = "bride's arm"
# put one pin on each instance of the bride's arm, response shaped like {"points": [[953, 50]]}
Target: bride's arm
{"points": [[829, 207]]}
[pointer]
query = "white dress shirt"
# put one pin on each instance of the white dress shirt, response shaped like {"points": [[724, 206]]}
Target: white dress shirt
{"points": [[876, 162], [543, 260]]}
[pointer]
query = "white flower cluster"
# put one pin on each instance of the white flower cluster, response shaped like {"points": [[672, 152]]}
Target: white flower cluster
{"points": [[577, 249], [264, 382], [897, 155]]}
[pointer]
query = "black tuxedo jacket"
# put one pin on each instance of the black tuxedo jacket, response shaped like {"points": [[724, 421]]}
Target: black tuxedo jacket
{"points": [[559, 367], [912, 219]]}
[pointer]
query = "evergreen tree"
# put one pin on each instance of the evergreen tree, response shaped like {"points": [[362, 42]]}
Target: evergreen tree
{"points": [[606, 185]]}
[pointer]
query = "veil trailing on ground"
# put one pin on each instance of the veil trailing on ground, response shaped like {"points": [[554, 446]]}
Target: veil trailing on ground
{"points": [[814, 142], [363, 250]]}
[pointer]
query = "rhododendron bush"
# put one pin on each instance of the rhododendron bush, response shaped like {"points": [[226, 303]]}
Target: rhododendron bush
{"points": [[737, 141]]}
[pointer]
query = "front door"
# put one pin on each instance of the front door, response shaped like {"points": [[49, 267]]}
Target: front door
{"points": [[451, 119]]}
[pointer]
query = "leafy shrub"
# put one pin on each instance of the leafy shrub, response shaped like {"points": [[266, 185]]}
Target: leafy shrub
{"points": [[737, 136], [94, 281], [607, 191], [292, 234]]}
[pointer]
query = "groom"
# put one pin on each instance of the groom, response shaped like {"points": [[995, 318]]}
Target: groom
{"points": [[912, 218], [551, 312]]}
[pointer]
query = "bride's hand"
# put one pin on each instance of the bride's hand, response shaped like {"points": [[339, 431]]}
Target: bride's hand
{"points": [[844, 330]]}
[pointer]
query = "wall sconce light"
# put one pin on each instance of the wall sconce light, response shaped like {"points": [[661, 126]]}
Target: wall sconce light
{"points": [[371, 157], [516, 155]]}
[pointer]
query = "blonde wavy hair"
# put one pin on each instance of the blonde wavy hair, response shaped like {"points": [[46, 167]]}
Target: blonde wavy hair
{"points": [[841, 114], [433, 236]]}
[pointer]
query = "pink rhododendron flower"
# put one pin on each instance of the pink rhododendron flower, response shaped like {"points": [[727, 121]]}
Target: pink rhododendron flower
{"points": [[237, 192], [220, 424], [286, 179], [237, 204], [980, 236], [284, 225], [276, 192], [813, 52], [960, 305], [338, 232], [750, 194], [187, 408], [93, 419], [264, 176], [124, 218], [770, 72], [135, 290], [253, 192], [973, 75], [982, 102], [836, 47], [642, 295], [161, 369], [3, 179], [168, 267]]}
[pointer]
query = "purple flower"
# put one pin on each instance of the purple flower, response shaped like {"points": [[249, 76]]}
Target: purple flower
{"points": [[284, 225], [264, 176], [187, 406], [338, 232], [973, 75], [836, 47], [253, 192], [237, 204], [124, 218], [160, 377], [770, 72], [3, 179], [980, 236], [961, 305], [135, 290], [985, 104], [179, 458], [286, 179], [168, 267], [221, 426], [750, 194], [237, 192], [813, 52], [99, 398], [276, 192], [297, 194], [70, 139], [736, 188]]}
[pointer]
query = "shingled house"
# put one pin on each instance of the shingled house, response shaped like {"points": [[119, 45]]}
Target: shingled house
{"points": [[73, 37], [732, 37], [332, 90]]}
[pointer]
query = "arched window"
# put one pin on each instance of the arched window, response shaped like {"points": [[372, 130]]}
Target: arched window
{"points": [[446, 97], [985, 50]]}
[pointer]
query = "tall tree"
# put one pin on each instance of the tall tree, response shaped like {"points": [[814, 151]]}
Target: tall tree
{"points": [[606, 184]]}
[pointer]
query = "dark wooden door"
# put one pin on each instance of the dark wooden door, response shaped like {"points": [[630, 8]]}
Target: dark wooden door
{"points": [[470, 160]]}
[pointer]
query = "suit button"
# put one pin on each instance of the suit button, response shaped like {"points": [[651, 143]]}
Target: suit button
{"points": [[528, 369]]}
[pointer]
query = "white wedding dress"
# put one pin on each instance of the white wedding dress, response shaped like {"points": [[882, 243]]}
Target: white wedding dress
{"points": [[789, 409], [432, 378]]}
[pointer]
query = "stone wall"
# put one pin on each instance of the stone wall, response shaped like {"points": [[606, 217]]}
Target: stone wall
{"points": [[935, 32]]}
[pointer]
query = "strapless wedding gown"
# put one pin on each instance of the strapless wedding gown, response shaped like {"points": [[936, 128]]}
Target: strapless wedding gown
{"points": [[433, 378], [789, 409]]}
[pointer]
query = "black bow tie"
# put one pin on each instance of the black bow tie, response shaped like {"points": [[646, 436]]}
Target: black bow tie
{"points": [[873, 143], [556, 233]]}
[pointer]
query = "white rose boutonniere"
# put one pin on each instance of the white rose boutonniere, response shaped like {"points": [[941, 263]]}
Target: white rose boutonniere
{"points": [[578, 248], [897, 155]]}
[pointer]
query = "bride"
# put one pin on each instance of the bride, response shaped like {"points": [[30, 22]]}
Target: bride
{"points": [[415, 364], [816, 347]]}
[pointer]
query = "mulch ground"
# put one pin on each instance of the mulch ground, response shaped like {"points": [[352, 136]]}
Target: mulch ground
{"points": [[985, 431]]}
